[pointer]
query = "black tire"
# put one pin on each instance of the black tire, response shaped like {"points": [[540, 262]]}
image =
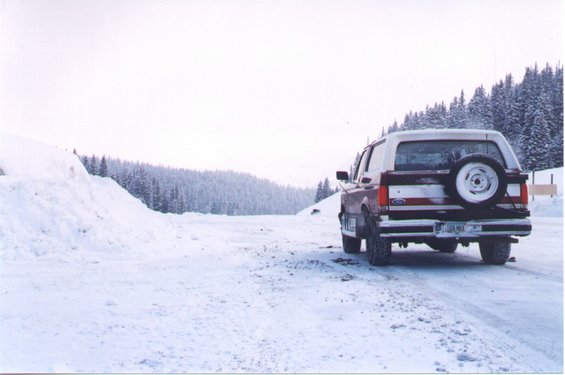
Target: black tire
{"points": [[351, 245], [495, 252], [445, 246], [378, 248], [476, 181]]}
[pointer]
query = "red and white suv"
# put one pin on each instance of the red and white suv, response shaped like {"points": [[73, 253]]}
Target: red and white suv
{"points": [[439, 187]]}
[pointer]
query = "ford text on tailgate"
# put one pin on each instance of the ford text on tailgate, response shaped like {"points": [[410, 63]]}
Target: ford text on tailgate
{"points": [[439, 187]]}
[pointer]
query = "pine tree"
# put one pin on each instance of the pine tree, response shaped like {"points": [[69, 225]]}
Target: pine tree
{"points": [[420, 120], [181, 205], [541, 129], [557, 116], [498, 106], [93, 165], [393, 128], [156, 199], [557, 98], [326, 189], [479, 110], [512, 127], [145, 186], [86, 164], [451, 118], [537, 144], [103, 170], [177, 203], [457, 116], [319, 192], [529, 93], [546, 109], [409, 123]]}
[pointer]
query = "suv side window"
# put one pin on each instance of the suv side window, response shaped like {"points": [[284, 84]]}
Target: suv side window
{"points": [[377, 156], [362, 166]]}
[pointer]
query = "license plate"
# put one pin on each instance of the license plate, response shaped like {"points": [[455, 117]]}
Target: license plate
{"points": [[458, 228], [455, 228]]}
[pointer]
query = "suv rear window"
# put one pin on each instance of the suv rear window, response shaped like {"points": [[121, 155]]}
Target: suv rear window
{"points": [[435, 155]]}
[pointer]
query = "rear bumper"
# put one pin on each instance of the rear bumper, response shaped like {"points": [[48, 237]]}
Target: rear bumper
{"points": [[474, 229]]}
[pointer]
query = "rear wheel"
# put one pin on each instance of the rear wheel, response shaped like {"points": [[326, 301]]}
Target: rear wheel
{"points": [[351, 245], [378, 248], [495, 252], [445, 246]]}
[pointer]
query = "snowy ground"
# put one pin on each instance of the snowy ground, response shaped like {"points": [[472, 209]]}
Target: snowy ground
{"points": [[92, 281]]}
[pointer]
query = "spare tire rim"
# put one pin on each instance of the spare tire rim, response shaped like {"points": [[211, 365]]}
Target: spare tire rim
{"points": [[476, 182]]}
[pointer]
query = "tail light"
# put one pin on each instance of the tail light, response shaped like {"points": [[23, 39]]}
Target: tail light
{"points": [[524, 194], [382, 197]]}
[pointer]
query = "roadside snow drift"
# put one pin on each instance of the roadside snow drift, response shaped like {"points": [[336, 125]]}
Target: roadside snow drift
{"points": [[328, 207], [50, 205], [93, 281]]}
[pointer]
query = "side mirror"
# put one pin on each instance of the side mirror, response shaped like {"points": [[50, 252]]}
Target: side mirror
{"points": [[342, 176]]}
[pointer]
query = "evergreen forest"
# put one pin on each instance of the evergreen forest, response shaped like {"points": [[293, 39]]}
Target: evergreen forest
{"points": [[175, 190], [324, 190], [529, 114]]}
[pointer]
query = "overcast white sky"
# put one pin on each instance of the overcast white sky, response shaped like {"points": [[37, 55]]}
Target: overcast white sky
{"points": [[285, 90]]}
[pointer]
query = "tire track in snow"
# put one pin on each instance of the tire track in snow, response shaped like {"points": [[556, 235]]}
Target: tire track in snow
{"points": [[526, 350]]}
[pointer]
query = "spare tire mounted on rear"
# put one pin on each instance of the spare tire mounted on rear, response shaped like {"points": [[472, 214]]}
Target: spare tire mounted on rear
{"points": [[476, 181]]}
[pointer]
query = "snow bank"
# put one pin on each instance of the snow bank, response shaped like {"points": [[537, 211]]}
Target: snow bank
{"points": [[51, 205], [326, 207], [546, 206]]}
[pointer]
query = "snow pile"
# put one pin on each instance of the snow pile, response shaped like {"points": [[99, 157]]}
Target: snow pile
{"points": [[51, 205], [547, 206], [328, 207]]}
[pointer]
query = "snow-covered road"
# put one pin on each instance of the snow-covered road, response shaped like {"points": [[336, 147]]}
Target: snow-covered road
{"points": [[93, 281], [277, 294]]}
